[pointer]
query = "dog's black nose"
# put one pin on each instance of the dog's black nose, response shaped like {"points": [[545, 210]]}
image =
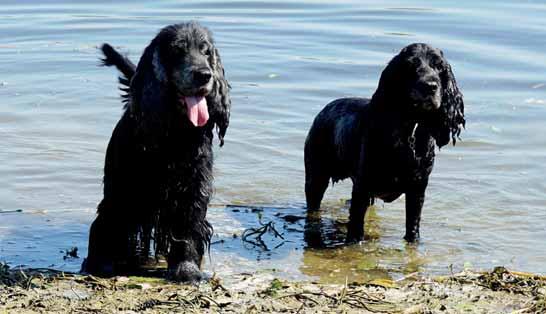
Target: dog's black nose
{"points": [[201, 76], [427, 87]]}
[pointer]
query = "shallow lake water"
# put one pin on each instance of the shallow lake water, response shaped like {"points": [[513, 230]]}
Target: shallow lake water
{"points": [[486, 202]]}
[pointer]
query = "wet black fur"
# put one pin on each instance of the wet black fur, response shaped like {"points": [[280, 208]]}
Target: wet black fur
{"points": [[369, 140], [158, 170]]}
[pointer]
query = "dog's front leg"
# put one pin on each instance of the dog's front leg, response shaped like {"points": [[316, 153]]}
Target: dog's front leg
{"points": [[414, 205], [360, 199], [184, 260], [189, 238], [190, 232], [359, 205]]}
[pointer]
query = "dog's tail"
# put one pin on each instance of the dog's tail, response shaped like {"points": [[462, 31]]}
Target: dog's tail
{"points": [[123, 64]]}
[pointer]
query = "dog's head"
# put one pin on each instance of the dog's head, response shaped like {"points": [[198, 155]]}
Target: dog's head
{"points": [[184, 64], [420, 82]]}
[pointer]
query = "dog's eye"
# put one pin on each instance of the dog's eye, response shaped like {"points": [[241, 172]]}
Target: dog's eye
{"points": [[205, 49], [181, 44], [436, 63], [413, 63], [414, 60]]}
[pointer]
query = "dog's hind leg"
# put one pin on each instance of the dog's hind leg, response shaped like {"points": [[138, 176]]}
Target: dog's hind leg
{"points": [[97, 250], [316, 184], [316, 175], [106, 244], [112, 243]]}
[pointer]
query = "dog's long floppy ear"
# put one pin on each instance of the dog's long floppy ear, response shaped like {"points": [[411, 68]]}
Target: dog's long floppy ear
{"points": [[391, 78], [141, 89], [220, 96], [159, 70], [452, 119], [151, 76]]}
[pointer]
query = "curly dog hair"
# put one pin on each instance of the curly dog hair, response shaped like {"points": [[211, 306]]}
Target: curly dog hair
{"points": [[158, 168], [386, 144]]}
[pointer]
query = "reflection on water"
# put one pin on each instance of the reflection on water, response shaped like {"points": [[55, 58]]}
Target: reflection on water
{"points": [[486, 201], [327, 257], [317, 240]]}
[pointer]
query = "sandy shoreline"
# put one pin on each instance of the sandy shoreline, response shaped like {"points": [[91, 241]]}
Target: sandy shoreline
{"points": [[47, 291]]}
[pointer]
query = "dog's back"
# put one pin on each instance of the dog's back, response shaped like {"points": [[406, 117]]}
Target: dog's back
{"points": [[333, 145]]}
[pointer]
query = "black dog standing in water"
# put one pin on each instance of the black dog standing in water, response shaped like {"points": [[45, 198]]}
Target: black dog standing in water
{"points": [[386, 144], [158, 169]]}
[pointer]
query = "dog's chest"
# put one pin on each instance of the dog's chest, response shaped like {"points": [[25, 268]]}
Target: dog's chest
{"points": [[398, 160], [181, 167]]}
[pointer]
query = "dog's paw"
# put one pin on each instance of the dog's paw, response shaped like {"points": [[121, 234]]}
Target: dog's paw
{"points": [[100, 268], [411, 237], [187, 272], [354, 237]]}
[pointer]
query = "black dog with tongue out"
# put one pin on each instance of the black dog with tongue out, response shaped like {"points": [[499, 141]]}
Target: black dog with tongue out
{"points": [[158, 169]]}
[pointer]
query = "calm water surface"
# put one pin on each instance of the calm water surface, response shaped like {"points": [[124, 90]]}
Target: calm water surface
{"points": [[486, 202]]}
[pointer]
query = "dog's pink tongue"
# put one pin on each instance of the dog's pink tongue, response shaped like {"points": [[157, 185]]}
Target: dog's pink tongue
{"points": [[198, 112]]}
